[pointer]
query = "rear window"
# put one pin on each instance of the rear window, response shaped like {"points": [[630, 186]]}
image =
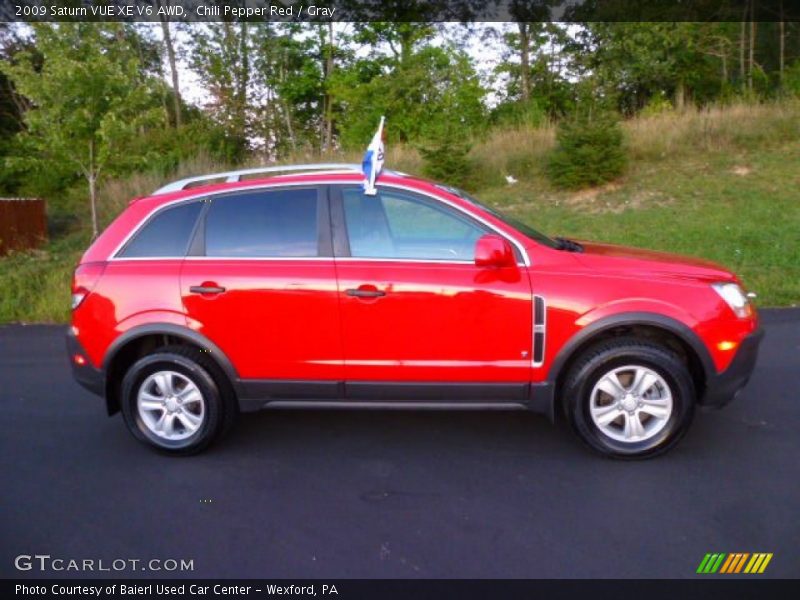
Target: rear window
{"points": [[264, 223], [166, 235]]}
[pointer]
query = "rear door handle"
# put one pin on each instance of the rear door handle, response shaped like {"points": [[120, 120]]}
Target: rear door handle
{"points": [[206, 289], [365, 293]]}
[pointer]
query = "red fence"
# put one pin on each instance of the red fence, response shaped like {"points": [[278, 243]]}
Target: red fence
{"points": [[23, 224]]}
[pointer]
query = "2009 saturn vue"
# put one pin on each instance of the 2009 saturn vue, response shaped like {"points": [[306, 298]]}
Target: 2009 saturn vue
{"points": [[297, 289]]}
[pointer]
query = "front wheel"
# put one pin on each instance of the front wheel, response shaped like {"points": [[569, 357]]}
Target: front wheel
{"points": [[628, 398]]}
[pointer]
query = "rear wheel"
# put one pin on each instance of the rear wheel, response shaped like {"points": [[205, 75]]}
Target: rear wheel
{"points": [[177, 400], [629, 398]]}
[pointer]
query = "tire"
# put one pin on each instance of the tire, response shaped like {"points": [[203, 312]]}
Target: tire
{"points": [[196, 408], [604, 403]]}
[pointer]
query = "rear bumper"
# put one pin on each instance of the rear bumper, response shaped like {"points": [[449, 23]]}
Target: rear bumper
{"points": [[723, 387], [89, 377]]}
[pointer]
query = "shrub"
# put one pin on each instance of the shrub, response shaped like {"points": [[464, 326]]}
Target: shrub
{"points": [[447, 161], [520, 114], [589, 151], [657, 105], [791, 79]]}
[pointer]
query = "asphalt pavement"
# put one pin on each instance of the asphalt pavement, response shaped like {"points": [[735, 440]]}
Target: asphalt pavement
{"points": [[340, 494]]}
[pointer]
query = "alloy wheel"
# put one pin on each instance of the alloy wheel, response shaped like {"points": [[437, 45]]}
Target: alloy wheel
{"points": [[170, 405], [631, 404]]}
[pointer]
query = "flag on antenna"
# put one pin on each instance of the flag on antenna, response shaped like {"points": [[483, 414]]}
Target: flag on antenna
{"points": [[373, 161]]}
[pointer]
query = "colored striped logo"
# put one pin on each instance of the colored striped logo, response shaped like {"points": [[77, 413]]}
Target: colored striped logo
{"points": [[737, 562]]}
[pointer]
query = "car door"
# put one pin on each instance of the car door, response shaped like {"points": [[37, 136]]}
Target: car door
{"points": [[420, 320], [260, 283]]}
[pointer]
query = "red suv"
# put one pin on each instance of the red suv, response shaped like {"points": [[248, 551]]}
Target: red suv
{"points": [[298, 290]]}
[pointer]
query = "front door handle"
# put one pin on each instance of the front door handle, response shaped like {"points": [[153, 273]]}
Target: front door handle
{"points": [[206, 289], [365, 292]]}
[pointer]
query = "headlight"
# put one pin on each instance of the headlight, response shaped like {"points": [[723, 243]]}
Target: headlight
{"points": [[734, 297]]}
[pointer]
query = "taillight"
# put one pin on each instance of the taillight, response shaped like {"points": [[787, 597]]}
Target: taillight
{"points": [[84, 279], [77, 297]]}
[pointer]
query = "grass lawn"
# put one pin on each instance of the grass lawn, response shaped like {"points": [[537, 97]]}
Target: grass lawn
{"points": [[742, 211]]}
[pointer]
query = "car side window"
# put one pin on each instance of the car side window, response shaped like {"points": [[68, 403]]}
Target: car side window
{"points": [[263, 223], [394, 224], [166, 235]]}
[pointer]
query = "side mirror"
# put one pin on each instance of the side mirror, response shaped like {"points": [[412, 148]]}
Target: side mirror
{"points": [[494, 251]]}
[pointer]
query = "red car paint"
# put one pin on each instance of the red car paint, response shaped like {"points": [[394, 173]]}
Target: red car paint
{"points": [[294, 320]]}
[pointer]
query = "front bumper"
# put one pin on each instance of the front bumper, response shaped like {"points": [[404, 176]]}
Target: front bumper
{"points": [[89, 377], [723, 387]]}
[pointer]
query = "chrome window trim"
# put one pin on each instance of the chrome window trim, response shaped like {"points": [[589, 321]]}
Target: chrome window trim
{"points": [[440, 261], [113, 257], [301, 258], [237, 258]]}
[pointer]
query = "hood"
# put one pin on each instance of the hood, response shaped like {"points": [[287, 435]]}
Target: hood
{"points": [[621, 259]]}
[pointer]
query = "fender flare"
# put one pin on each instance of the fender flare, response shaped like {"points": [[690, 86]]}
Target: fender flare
{"points": [[171, 329], [677, 328]]}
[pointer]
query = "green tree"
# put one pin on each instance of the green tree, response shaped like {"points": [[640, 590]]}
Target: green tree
{"points": [[529, 17], [432, 90], [87, 99], [292, 66], [222, 57], [12, 105], [536, 66], [402, 38], [171, 54], [636, 61]]}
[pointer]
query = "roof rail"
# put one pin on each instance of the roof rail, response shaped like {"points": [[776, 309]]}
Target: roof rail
{"points": [[233, 176]]}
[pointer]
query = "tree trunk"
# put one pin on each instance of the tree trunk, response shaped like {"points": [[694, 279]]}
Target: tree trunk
{"points": [[287, 115], [680, 96], [173, 68], [782, 52], [329, 65], [524, 59], [741, 53], [723, 57], [164, 106], [551, 70], [406, 46], [244, 79], [752, 48], [323, 57], [91, 176]]}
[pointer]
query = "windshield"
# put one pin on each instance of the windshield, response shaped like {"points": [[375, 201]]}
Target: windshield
{"points": [[515, 223]]}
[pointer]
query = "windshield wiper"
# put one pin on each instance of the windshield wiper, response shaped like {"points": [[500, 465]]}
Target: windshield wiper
{"points": [[563, 243]]}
